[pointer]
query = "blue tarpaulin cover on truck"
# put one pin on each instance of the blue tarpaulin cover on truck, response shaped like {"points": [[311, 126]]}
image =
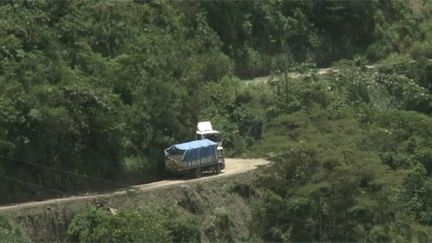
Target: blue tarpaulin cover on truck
{"points": [[194, 150]]}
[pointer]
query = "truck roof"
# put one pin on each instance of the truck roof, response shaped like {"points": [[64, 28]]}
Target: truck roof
{"points": [[194, 144], [193, 150]]}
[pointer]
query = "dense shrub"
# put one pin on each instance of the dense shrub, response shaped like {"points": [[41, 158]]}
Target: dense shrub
{"points": [[157, 222], [10, 232]]}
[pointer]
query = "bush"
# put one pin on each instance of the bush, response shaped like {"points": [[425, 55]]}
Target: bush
{"points": [[10, 232], [421, 49], [99, 225], [330, 190], [157, 222], [221, 228], [183, 228]]}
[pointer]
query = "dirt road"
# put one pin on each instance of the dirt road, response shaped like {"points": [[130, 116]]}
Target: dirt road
{"points": [[265, 79], [320, 71], [232, 167]]}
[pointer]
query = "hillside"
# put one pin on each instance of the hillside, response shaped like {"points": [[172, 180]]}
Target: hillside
{"points": [[48, 221], [91, 92], [99, 88]]}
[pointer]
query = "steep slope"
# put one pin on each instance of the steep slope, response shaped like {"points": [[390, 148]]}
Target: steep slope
{"points": [[48, 220]]}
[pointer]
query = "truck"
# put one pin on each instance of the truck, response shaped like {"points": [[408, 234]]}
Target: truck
{"points": [[194, 156], [203, 154]]}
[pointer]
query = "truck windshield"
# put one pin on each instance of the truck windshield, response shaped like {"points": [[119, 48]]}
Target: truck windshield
{"points": [[213, 137]]}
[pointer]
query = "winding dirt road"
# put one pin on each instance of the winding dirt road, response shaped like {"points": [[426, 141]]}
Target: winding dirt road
{"points": [[319, 71], [232, 167]]}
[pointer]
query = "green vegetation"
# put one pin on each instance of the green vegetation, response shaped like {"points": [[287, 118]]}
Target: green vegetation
{"points": [[205, 211], [352, 156], [156, 222], [261, 35], [10, 232], [100, 225], [92, 91], [99, 88]]}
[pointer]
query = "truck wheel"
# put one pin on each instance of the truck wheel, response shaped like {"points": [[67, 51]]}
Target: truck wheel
{"points": [[197, 172], [218, 169]]}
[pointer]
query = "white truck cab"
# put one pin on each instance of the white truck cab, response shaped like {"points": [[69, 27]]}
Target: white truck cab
{"points": [[205, 131]]}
